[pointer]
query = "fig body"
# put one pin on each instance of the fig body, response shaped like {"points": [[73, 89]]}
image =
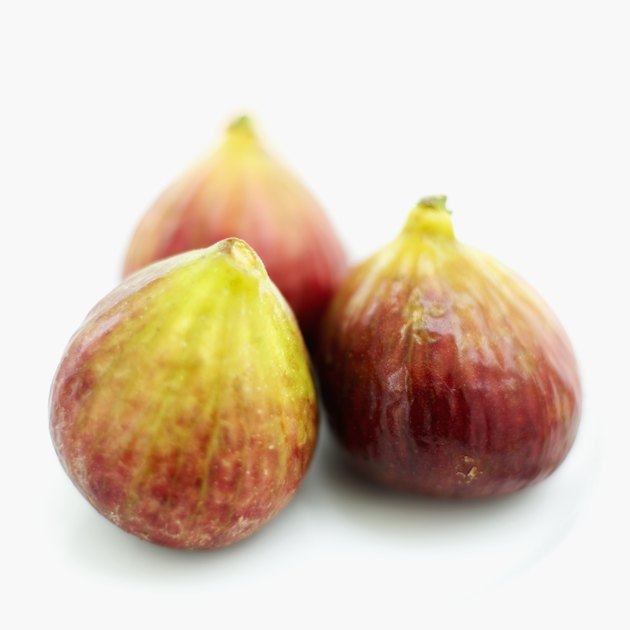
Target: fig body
{"points": [[184, 408], [241, 191], [442, 372]]}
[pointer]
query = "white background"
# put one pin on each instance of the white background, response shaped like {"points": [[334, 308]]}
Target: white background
{"points": [[517, 110]]}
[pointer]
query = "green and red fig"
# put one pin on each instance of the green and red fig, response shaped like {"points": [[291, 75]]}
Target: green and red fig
{"points": [[443, 372], [240, 190], [184, 408]]}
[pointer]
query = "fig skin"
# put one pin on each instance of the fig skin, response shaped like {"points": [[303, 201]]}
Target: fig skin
{"points": [[184, 408], [442, 372], [241, 191]]}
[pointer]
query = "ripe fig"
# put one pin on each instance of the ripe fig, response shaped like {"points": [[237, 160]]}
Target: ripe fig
{"points": [[240, 190], [183, 408], [443, 373]]}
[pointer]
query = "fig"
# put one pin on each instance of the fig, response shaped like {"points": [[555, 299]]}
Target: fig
{"points": [[240, 190], [184, 408], [443, 372]]}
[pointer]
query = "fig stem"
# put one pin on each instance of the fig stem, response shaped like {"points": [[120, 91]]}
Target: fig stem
{"points": [[240, 136], [437, 202], [241, 125], [242, 256], [430, 217]]}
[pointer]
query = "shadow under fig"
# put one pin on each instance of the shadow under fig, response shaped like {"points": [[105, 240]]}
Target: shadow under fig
{"points": [[99, 546], [335, 495], [409, 515]]}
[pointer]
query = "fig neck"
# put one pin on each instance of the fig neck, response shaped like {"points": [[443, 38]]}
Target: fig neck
{"points": [[241, 131], [241, 144], [430, 218]]}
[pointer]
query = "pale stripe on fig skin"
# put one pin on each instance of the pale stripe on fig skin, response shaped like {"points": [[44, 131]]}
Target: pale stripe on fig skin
{"points": [[192, 304], [543, 327], [492, 293], [76, 363], [303, 235], [475, 312], [301, 281], [281, 430], [309, 393], [101, 404], [482, 330], [158, 235], [217, 172], [229, 432], [213, 213], [267, 376], [496, 287], [89, 338], [241, 191], [218, 344], [351, 305], [157, 225], [522, 349], [249, 470]]}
